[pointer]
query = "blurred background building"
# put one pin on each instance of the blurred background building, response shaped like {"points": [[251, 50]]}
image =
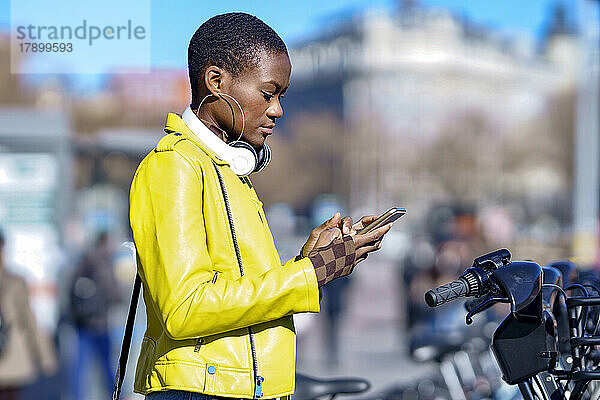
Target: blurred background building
{"points": [[382, 72], [487, 138]]}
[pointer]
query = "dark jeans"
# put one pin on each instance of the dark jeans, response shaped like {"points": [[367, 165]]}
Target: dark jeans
{"points": [[182, 395]]}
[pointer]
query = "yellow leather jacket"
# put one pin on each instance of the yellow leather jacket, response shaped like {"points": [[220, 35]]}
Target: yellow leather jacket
{"points": [[218, 300]]}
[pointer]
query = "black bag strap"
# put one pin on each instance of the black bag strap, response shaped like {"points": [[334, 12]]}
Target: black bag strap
{"points": [[127, 338]]}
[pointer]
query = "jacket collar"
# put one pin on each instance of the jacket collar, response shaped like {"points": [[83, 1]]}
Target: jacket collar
{"points": [[195, 131]]}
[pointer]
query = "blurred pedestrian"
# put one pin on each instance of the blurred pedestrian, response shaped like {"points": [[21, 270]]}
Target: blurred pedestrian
{"points": [[333, 307], [24, 349], [94, 290]]}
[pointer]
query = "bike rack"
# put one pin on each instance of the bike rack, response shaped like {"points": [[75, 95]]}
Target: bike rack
{"points": [[576, 307]]}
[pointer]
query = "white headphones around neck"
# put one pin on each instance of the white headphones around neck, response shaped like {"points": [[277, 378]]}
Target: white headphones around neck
{"points": [[241, 156]]}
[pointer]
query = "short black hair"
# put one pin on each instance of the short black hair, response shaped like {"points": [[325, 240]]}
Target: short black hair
{"points": [[230, 41]]}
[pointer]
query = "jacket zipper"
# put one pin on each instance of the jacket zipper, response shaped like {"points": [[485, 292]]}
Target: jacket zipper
{"points": [[258, 380]]}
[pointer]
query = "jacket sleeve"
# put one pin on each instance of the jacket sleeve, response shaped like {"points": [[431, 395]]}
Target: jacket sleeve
{"points": [[168, 227]]}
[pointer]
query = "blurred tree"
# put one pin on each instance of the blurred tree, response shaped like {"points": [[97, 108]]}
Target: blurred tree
{"points": [[307, 161], [464, 159], [471, 161], [549, 139], [106, 110], [538, 164], [12, 91]]}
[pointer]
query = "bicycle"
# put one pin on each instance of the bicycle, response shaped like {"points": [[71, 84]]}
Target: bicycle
{"points": [[526, 344], [309, 388]]}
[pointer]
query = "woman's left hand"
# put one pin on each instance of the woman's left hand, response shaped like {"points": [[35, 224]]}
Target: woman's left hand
{"points": [[343, 224]]}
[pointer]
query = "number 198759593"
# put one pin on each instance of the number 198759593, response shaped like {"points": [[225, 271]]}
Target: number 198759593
{"points": [[27, 47]]}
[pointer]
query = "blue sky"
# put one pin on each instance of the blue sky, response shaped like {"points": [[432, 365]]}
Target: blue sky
{"points": [[173, 22], [172, 26]]}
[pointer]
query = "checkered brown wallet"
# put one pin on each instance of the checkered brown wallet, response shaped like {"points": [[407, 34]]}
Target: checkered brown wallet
{"points": [[334, 260]]}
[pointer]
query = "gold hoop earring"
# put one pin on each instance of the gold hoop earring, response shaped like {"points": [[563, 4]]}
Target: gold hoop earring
{"points": [[232, 113]]}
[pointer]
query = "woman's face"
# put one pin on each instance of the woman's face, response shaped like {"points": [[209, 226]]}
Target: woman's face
{"points": [[259, 91]]}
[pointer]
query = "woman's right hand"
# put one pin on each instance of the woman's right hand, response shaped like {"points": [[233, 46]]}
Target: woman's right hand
{"points": [[368, 242]]}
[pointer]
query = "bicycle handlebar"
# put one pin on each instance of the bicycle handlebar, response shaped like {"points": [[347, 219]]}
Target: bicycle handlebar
{"points": [[448, 292], [474, 282], [469, 284]]}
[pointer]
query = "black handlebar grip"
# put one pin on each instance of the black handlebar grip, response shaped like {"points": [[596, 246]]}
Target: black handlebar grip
{"points": [[446, 293]]}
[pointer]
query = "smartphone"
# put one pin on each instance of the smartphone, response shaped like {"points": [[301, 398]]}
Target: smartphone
{"points": [[389, 216]]}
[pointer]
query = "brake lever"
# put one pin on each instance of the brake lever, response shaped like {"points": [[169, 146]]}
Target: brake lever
{"points": [[472, 303], [484, 305]]}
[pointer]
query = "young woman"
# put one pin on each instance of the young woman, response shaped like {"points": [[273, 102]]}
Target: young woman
{"points": [[219, 301]]}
